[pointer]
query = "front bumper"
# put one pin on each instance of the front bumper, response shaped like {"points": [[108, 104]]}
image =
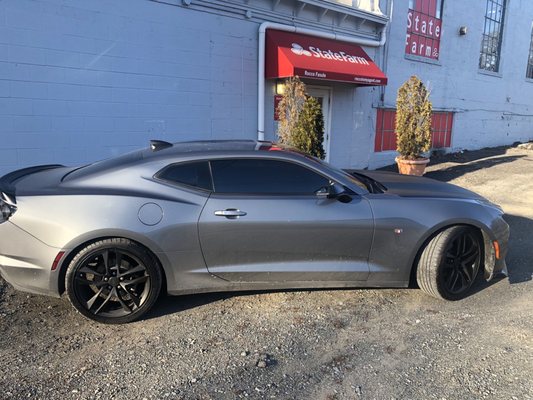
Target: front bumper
{"points": [[26, 262], [500, 233]]}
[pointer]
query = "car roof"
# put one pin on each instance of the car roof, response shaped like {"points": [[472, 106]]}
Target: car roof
{"points": [[160, 151], [208, 146]]}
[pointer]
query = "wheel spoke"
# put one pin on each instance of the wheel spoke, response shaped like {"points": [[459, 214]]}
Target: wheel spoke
{"points": [[118, 260], [105, 256], [456, 246], [140, 279], [464, 279], [456, 274], [122, 302], [136, 299], [451, 277], [91, 301], [467, 273], [470, 258], [109, 295], [88, 270], [450, 255], [88, 282], [463, 242], [138, 268]]}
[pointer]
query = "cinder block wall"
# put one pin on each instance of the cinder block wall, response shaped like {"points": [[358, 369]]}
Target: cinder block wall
{"points": [[84, 80], [490, 110]]}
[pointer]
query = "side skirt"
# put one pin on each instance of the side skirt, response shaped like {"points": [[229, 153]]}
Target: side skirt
{"points": [[237, 287]]}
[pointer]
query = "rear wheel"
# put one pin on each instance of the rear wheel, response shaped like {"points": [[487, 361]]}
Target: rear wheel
{"points": [[449, 264], [113, 281]]}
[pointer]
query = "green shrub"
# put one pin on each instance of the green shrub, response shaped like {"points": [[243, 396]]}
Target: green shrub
{"points": [[413, 119], [301, 122]]}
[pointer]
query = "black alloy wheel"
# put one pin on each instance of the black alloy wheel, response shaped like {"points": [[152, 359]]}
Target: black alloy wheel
{"points": [[460, 264], [113, 281], [450, 262]]}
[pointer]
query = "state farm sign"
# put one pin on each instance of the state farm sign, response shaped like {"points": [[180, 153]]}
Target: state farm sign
{"points": [[327, 54], [424, 29]]}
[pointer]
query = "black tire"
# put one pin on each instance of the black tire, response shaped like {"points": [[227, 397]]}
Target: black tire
{"points": [[113, 281], [449, 264]]}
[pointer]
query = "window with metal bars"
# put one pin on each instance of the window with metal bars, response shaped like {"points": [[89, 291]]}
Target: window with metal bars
{"points": [[529, 71], [491, 42]]}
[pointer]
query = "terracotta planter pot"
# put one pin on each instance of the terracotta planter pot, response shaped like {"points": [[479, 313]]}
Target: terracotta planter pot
{"points": [[412, 167]]}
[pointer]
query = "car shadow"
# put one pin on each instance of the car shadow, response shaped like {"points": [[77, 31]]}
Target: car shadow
{"points": [[467, 156], [168, 304], [453, 172], [520, 252]]}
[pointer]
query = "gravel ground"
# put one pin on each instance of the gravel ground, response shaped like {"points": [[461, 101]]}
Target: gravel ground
{"points": [[324, 344]]}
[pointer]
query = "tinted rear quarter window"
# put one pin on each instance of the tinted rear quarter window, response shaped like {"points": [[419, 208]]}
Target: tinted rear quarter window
{"points": [[258, 176], [195, 174]]}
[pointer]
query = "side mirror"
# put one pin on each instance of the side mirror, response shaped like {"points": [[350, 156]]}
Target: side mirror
{"points": [[327, 192], [332, 192]]}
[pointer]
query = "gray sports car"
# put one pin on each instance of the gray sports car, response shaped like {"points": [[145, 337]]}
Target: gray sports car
{"points": [[236, 215]]}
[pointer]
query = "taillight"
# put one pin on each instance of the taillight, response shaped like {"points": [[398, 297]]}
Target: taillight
{"points": [[7, 207], [58, 258]]}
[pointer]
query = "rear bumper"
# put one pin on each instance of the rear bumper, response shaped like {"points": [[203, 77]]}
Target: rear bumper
{"points": [[26, 262]]}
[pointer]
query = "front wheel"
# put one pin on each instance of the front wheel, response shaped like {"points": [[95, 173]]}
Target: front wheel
{"points": [[113, 281], [449, 264]]}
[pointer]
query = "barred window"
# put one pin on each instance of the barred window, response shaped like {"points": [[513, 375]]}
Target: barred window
{"points": [[529, 71], [491, 42]]}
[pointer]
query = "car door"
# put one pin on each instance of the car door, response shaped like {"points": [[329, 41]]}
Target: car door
{"points": [[264, 222]]}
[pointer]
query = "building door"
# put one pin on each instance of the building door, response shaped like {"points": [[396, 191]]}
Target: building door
{"points": [[323, 95]]}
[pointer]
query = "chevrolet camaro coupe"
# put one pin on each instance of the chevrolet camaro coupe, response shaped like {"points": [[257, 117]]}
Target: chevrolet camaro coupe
{"points": [[209, 216]]}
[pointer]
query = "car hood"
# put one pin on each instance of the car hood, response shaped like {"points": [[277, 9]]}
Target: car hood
{"points": [[416, 186]]}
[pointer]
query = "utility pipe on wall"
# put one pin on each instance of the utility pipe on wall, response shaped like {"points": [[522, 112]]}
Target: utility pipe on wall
{"points": [[287, 28]]}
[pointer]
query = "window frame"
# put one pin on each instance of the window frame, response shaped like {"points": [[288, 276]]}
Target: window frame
{"points": [[270, 195], [487, 21], [157, 176], [213, 191]]}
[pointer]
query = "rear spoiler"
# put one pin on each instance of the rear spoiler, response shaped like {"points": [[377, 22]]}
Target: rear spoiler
{"points": [[7, 181]]}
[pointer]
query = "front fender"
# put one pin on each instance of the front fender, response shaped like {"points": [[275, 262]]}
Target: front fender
{"points": [[404, 225]]}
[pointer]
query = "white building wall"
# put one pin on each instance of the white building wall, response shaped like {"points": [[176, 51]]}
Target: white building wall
{"points": [[81, 81], [490, 109], [85, 80]]}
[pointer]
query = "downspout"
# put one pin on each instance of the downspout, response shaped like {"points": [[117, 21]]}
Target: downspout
{"points": [[288, 28]]}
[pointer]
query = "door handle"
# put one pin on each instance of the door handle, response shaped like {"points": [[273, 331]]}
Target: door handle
{"points": [[230, 213]]}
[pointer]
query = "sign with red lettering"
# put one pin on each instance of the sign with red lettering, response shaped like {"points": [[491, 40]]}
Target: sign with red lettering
{"points": [[424, 28]]}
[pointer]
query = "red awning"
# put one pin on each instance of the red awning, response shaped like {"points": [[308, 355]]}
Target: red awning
{"points": [[290, 54]]}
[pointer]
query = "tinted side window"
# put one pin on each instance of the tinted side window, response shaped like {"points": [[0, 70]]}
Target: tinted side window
{"points": [[257, 176], [194, 174]]}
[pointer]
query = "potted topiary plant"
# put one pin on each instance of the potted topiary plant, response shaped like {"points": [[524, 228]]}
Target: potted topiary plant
{"points": [[413, 127], [301, 122]]}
